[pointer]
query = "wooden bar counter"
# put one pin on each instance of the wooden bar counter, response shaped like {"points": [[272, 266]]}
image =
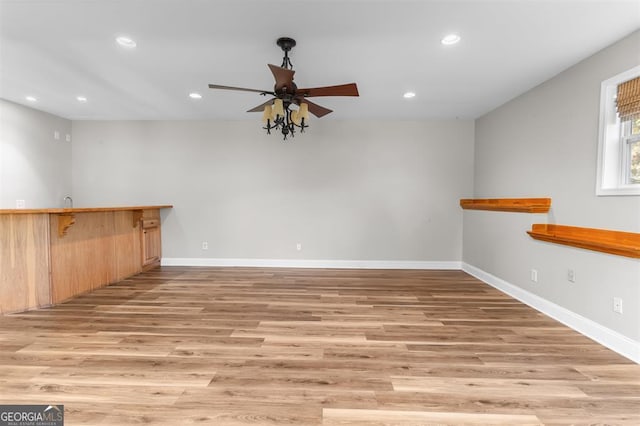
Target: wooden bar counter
{"points": [[50, 255]]}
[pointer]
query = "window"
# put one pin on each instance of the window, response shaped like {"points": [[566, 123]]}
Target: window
{"points": [[631, 146], [619, 139]]}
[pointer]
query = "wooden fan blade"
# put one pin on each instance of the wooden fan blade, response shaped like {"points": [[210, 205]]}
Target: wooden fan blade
{"points": [[350, 89], [283, 76], [315, 109], [260, 107], [242, 89]]}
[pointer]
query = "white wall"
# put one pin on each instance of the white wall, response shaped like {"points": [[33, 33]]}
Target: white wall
{"points": [[34, 166], [344, 190], [544, 144]]}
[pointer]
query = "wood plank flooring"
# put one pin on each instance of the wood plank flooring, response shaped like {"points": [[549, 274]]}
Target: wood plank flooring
{"points": [[239, 346]]}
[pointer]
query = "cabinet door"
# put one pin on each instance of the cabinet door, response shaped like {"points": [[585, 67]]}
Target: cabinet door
{"points": [[151, 246]]}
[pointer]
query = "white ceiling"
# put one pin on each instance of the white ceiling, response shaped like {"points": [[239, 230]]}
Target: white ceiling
{"points": [[56, 50]]}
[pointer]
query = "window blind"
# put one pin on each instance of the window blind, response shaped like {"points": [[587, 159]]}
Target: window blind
{"points": [[628, 99]]}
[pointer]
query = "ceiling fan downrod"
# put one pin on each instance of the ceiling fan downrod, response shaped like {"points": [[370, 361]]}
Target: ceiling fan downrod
{"points": [[286, 44]]}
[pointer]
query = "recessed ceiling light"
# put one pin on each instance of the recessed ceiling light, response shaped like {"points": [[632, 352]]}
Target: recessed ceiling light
{"points": [[409, 95], [81, 99], [31, 98], [126, 42], [450, 39], [195, 95]]}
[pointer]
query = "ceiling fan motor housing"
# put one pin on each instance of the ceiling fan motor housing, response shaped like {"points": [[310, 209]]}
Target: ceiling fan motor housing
{"points": [[287, 93]]}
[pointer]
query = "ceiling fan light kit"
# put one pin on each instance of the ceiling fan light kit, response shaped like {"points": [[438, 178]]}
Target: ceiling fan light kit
{"points": [[277, 113]]}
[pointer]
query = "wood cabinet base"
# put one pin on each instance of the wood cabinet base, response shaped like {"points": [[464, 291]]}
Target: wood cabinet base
{"points": [[46, 258]]}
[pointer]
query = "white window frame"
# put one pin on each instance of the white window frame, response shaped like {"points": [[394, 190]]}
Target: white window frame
{"points": [[612, 169]]}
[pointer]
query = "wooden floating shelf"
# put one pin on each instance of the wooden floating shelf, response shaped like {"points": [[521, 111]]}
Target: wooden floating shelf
{"points": [[603, 240], [519, 205]]}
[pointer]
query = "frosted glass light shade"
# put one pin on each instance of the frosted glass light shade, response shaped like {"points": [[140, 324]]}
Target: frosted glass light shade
{"points": [[266, 115], [278, 108], [295, 117], [304, 111]]}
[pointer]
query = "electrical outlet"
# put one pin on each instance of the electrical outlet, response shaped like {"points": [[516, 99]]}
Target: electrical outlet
{"points": [[56, 135], [20, 204], [299, 246], [205, 245], [617, 305], [534, 275], [571, 276]]}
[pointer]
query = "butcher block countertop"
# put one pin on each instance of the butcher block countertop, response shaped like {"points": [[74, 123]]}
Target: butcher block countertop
{"points": [[82, 209]]}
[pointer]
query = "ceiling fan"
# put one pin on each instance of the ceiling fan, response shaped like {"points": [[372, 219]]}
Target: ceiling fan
{"points": [[277, 111]]}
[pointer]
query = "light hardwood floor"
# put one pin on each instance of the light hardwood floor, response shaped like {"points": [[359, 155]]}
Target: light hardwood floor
{"points": [[229, 346]]}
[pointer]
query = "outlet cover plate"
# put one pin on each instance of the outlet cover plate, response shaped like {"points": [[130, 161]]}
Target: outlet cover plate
{"points": [[617, 305]]}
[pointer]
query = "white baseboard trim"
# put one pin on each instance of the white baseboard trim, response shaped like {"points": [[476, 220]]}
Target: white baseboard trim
{"points": [[312, 263], [611, 339]]}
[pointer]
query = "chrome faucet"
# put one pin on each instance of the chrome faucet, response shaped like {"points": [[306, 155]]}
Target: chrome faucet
{"points": [[70, 202]]}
